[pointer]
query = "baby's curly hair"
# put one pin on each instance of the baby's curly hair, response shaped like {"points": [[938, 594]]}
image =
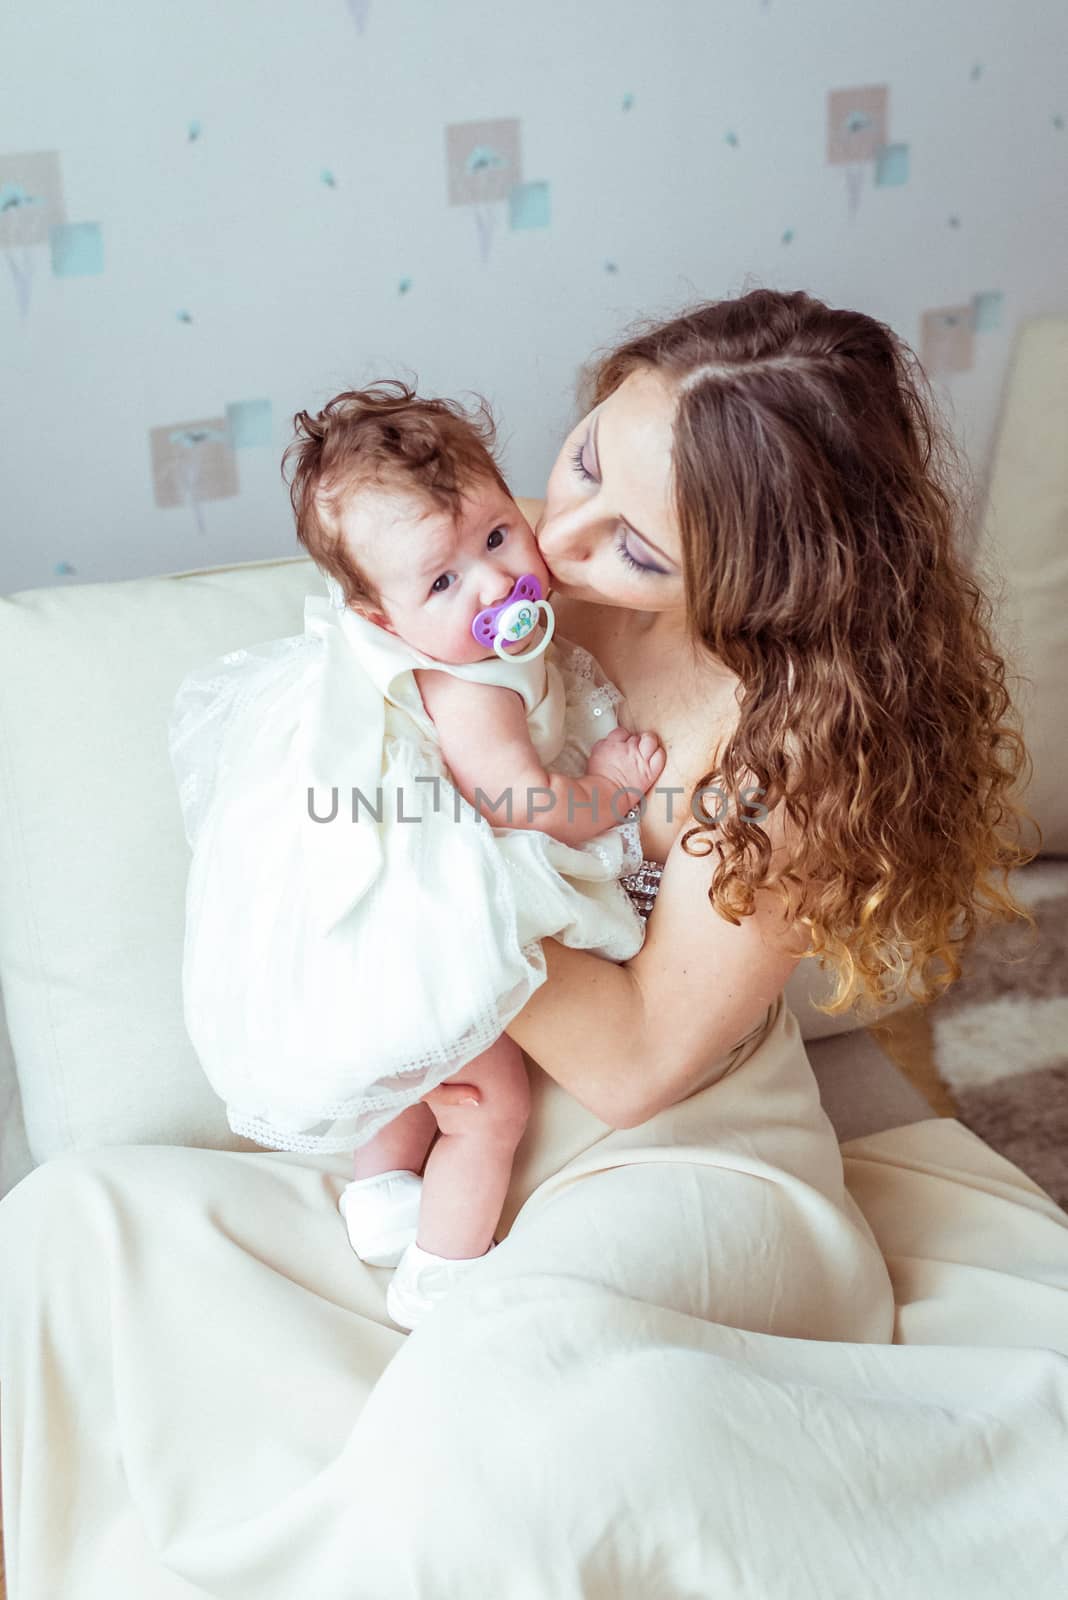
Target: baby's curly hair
{"points": [[822, 507], [385, 435]]}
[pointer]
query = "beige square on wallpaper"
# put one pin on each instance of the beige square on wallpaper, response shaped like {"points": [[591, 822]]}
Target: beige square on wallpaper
{"points": [[857, 123], [193, 461], [483, 160], [31, 197], [947, 340]]}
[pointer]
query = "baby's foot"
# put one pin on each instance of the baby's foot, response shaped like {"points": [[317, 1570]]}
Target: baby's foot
{"points": [[382, 1215], [422, 1280], [631, 761]]}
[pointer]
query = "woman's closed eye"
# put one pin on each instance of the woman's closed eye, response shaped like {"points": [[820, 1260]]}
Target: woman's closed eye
{"points": [[622, 548], [637, 566], [578, 463]]}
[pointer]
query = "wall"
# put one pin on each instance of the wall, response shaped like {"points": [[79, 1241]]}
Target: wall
{"points": [[214, 215]]}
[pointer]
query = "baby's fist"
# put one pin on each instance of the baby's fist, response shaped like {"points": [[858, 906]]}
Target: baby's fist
{"points": [[631, 761]]}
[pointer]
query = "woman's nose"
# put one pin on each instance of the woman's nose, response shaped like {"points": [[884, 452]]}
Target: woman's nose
{"points": [[564, 537]]}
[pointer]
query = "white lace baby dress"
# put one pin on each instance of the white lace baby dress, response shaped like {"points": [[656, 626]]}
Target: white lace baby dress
{"points": [[337, 969]]}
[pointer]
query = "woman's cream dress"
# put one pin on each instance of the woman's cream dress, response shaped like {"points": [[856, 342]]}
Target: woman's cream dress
{"points": [[203, 1395]]}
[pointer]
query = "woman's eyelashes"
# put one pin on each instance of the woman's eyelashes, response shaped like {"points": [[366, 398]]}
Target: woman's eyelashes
{"points": [[494, 540], [638, 566], [621, 542], [578, 463]]}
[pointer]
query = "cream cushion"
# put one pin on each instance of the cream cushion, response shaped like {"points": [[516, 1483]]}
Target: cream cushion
{"points": [[1024, 547], [93, 858]]}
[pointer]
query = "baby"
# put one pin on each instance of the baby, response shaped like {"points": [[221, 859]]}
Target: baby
{"points": [[437, 604]]}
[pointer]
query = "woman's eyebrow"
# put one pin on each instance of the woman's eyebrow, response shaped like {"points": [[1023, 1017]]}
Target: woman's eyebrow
{"points": [[628, 525]]}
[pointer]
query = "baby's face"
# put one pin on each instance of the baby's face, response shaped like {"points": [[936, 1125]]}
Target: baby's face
{"points": [[436, 572]]}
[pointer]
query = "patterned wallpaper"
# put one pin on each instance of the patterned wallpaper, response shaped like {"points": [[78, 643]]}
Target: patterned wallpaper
{"points": [[213, 215]]}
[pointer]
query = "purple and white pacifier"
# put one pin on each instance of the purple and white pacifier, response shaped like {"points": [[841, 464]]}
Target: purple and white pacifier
{"points": [[504, 626]]}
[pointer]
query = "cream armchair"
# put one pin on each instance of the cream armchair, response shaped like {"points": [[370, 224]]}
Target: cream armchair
{"points": [[93, 862]]}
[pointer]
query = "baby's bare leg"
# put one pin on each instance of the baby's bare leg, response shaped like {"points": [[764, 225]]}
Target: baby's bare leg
{"points": [[468, 1170], [400, 1146]]}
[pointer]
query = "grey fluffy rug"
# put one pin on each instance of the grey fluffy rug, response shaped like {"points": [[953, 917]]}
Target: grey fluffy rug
{"points": [[1001, 1035]]}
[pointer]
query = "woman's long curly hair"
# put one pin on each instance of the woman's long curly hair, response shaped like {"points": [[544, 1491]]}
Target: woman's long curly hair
{"points": [[822, 506]]}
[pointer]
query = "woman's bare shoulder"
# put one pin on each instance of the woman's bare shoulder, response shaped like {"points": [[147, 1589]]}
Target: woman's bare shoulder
{"points": [[531, 509]]}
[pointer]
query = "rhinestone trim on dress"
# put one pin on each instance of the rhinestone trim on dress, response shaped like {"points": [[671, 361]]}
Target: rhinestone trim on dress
{"points": [[642, 886]]}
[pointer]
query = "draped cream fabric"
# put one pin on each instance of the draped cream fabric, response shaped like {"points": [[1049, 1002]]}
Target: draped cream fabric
{"points": [[675, 1376]]}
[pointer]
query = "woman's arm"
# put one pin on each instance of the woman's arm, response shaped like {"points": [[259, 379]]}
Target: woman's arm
{"points": [[627, 1040]]}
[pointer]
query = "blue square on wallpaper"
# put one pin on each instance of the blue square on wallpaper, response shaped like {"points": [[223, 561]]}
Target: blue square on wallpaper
{"points": [[77, 249], [891, 165], [528, 205], [986, 310], [249, 422]]}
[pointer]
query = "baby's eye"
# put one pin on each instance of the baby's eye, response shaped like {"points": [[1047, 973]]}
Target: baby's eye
{"points": [[496, 538], [440, 585]]}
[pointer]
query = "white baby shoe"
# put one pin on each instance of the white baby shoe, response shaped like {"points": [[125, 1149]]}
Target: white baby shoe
{"points": [[382, 1215], [422, 1279]]}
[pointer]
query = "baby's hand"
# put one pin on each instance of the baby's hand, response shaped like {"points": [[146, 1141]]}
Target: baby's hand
{"points": [[629, 760]]}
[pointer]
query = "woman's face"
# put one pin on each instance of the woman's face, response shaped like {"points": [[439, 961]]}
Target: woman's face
{"points": [[608, 532]]}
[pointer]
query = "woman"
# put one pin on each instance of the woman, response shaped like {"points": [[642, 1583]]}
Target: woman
{"points": [[749, 530]]}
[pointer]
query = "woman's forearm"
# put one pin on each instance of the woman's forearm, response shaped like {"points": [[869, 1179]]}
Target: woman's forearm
{"points": [[602, 1062]]}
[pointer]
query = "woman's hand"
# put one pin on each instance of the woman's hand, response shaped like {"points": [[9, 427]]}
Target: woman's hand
{"points": [[450, 1096]]}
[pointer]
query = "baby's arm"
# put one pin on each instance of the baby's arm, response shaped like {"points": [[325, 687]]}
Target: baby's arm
{"points": [[486, 745]]}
